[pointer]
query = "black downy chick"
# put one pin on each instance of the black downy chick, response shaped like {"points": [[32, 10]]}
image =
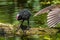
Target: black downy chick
{"points": [[23, 15]]}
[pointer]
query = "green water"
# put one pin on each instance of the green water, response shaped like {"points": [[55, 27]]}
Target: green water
{"points": [[33, 37], [10, 38]]}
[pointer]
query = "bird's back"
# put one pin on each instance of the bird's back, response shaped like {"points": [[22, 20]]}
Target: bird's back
{"points": [[24, 14]]}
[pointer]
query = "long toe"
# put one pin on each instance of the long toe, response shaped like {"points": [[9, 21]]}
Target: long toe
{"points": [[28, 27]]}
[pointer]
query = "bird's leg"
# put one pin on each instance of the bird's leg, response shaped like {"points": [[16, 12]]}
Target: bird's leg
{"points": [[28, 24], [22, 22], [20, 25]]}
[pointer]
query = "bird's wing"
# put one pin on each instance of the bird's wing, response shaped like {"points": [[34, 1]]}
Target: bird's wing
{"points": [[47, 9], [53, 18]]}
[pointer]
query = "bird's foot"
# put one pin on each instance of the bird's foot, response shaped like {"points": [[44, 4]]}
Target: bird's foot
{"points": [[28, 27]]}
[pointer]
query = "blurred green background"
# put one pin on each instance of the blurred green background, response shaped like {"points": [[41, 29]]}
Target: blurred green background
{"points": [[9, 9]]}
